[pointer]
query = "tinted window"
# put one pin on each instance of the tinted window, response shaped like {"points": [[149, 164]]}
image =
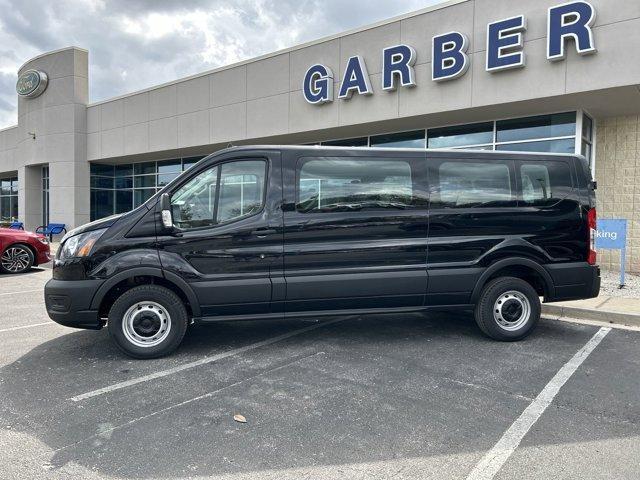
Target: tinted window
{"points": [[471, 184], [170, 166], [241, 189], [348, 142], [101, 203], [142, 195], [346, 184], [165, 178], [400, 140], [566, 145], [544, 183], [5, 209], [461, 135], [144, 168], [543, 126], [124, 201]]}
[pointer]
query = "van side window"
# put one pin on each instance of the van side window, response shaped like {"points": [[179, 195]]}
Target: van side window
{"points": [[241, 189], [471, 184], [193, 205], [350, 184], [544, 183], [220, 194]]}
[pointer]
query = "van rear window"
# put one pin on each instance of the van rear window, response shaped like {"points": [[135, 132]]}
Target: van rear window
{"points": [[350, 184], [544, 183]]}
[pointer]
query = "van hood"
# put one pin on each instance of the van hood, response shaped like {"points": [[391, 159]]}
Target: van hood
{"points": [[95, 225]]}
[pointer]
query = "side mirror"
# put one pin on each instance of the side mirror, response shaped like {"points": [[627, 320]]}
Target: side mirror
{"points": [[165, 207]]}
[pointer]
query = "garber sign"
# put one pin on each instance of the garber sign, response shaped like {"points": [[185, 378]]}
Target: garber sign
{"points": [[505, 50]]}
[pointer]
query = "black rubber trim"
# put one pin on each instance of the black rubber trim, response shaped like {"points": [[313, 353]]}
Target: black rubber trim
{"points": [[549, 288], [148, 272]]}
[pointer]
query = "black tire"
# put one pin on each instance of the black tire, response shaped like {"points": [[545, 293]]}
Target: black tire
{"points": [[155, 312], [16, 258], [503, 323]]}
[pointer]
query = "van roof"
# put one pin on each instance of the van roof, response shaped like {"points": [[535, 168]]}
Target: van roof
{"points": [[312, 148]]}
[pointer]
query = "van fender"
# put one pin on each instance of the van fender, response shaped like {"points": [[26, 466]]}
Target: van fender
{"points": [[147, 272], [511, 262]]}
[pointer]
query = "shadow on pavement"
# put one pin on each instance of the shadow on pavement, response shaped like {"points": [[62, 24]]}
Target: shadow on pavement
{"points": [[374, 389]]}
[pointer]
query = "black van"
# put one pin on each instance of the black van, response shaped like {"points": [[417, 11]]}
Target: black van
{"points": [[273, 232]]}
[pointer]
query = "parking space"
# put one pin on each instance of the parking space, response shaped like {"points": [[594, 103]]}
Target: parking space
{"points": [[404, 396]]}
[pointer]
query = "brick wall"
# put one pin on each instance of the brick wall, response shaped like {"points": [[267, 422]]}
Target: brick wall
{"points": [[618, 176]]}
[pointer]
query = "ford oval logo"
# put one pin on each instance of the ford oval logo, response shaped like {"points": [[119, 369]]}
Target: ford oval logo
{"points": [[31, 83]]}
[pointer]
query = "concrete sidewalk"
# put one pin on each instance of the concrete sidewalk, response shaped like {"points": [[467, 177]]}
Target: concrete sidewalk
{"points": [[624, 311]]}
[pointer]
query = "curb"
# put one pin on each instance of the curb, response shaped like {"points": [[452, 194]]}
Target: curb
{"points": [[606, 316]]}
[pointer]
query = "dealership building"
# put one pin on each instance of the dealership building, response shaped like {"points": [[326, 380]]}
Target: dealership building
{"points": [[531, 75]]}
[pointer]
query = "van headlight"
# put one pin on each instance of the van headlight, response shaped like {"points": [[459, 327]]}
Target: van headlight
{"points": [[80, 245]]}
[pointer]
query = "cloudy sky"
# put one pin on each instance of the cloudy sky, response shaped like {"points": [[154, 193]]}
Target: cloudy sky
{"points": [[135, 44]]}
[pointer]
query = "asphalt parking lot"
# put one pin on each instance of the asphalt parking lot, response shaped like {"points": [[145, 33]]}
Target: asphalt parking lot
{"points": [[408, 396]]}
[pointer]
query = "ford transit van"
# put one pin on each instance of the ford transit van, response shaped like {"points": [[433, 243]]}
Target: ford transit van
{"points": [[273, 232]]}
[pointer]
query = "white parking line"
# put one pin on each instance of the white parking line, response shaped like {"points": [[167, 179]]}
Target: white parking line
{"points": [[191, 400], [12, 329], [23, 291], [202, 361], [493, 461]]}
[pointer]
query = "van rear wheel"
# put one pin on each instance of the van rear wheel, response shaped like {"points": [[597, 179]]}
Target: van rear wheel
{"points": [[148, 321], [508, 309]]}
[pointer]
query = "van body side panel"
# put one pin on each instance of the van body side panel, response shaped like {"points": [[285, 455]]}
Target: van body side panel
{"points": [[364, 259]]}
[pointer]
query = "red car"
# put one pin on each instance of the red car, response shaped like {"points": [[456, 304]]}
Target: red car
{"points": [[20, 250]]}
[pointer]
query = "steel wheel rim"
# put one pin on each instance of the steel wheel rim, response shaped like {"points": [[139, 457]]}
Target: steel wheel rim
{"points": [[512, 310], [15, 259], [146, 324]]}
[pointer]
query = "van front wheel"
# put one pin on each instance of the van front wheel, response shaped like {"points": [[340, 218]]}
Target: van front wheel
{"points": [[508, 309], [148, 321]]}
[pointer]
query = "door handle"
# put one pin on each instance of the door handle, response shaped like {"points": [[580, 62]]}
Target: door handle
{"points": [[263, 232]]}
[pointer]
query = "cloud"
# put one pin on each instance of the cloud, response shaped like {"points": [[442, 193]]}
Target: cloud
{"points": [[135, 44]]}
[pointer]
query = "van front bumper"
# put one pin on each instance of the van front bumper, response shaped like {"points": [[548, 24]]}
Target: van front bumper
{"points": [[69, 303]]}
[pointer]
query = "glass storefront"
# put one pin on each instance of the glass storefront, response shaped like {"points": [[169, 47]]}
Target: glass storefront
{"points": [[555, 133], [120, 188], [414, 139], [8, 199]]}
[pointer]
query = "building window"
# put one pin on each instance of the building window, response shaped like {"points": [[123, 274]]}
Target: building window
{"points": [[348, 142], [414, 139], [120, 188], [539, 127], [587, 138], [474, 135], [8, 199], [555, 133], [566, 145], [45, 195]]}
